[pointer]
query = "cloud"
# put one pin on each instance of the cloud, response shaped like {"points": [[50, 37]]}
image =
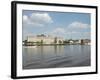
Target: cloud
{"points": [[75, 30], [76, 27], [37, 19], [59, 30], [79, 25], [41, 18], [25, 18], [78, 30]]}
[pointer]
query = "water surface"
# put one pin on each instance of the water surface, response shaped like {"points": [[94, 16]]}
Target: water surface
{"points": [[55, 56]]}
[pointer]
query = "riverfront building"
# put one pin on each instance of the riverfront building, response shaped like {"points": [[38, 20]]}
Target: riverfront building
{"points": [[45, 39], [50, 40]]}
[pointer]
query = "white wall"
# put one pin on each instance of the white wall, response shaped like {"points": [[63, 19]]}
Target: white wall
{"points": [[5, 43]]}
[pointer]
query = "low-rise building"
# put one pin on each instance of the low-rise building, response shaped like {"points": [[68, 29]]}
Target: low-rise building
{"points": [[85, 41], [45, 39]]}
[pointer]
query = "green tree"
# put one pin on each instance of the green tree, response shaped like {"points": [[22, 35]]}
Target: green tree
{"points": [[66, 41], [41, 41], [38, 43]]}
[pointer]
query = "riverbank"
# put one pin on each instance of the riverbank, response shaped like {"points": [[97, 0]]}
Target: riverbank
{"points": [[52, 44]]}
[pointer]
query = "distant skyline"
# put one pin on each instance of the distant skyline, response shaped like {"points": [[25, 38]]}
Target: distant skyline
{"points": [[68, 25]]}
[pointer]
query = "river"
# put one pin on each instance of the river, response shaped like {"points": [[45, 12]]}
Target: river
{"points": [[37, 57]]}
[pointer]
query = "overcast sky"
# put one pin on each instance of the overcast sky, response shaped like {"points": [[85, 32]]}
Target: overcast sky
{"points": [[68, 25]]}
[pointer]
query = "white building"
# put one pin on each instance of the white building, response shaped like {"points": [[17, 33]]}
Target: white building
{"points": [[45, 39]]}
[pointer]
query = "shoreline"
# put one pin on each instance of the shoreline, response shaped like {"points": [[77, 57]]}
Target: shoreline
{"points": [[55, 44]]}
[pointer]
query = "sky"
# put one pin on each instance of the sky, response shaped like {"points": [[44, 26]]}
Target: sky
{"points": [[68, 25]]}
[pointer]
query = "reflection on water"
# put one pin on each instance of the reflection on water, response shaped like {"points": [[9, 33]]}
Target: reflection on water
{"points": [[56, 56]]}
